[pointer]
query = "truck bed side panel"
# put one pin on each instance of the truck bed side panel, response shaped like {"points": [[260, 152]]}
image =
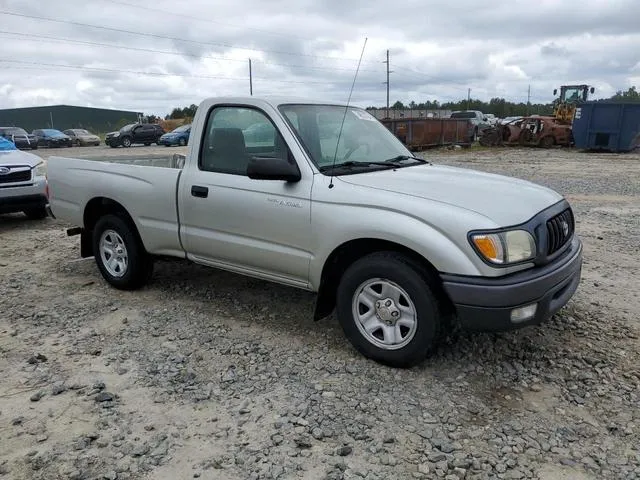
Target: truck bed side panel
{"points": [[147, 193]]}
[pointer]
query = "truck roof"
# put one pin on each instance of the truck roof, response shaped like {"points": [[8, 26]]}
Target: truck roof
{"points": [[273, 100]]}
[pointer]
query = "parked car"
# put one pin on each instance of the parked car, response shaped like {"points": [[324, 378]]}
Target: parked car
{"points": [[178, 136], [479, 121], [135, 133], [398, 246], [19, 137], [49, 137], [81, 137], [23, 184]]}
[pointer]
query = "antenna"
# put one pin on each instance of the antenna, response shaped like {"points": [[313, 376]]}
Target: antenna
{"points": [[335, 155]]}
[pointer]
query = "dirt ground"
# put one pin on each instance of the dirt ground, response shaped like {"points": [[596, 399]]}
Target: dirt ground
{"points": [[206, 374]]}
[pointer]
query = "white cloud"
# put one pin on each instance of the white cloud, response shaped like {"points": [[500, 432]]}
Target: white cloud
{"points": [[309, 48]]}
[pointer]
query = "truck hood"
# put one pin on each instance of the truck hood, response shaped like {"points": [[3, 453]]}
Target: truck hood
{"points": [[18, 157], [505, 200]]}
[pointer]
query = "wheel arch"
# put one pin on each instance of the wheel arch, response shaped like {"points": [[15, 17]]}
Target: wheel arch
{"points": [[350, 251], [96, 208]]}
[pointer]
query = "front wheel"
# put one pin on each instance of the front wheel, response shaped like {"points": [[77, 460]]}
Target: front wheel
{"points": [[388, 309], [119, 253], [182, 142], [126, 142]]}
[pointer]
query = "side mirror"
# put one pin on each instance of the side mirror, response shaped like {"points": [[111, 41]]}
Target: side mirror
{"points": [[555, 91], [272, 168]]}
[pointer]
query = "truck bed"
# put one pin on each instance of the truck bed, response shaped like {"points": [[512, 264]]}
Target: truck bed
{"points": [[149, 194]]}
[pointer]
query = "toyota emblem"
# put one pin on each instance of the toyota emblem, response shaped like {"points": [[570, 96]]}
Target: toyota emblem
{"points": [[565, 228], [4, 170]]}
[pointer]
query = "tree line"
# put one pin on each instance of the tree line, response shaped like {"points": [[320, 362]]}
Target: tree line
{"points": [[503, 108], [497, 106]]}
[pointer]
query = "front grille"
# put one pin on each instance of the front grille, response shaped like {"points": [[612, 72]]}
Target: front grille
{"points": [[15, 177], [559, 231]]}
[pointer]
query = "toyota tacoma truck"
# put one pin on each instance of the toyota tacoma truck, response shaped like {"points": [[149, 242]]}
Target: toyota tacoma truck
{"points": [[400, 248]]}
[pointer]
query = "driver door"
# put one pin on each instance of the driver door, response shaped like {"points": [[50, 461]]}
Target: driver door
{"points": [[256, 227]]}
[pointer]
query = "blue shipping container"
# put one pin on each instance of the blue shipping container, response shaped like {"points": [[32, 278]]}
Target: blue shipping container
{"points": [[606, 126]]}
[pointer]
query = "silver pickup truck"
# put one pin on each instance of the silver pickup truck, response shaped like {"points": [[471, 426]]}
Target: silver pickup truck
{"points": [[322, 197]]}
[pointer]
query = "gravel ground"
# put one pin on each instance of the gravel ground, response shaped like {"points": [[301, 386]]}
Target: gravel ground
{"points": [[205, 374]]}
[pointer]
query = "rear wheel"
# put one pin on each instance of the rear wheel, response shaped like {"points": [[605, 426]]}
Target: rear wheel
{"points": [[119, 253], [182, 142], [388, 309]]}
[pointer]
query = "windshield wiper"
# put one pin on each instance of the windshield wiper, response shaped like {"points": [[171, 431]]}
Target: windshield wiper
{"points": [[351, 163], [389, 163], [401, 158]]}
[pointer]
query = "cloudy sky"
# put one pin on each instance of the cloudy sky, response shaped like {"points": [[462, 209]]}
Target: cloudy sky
{"points": [[152, 56]]}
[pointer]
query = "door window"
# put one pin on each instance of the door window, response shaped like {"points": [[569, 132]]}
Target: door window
{"points": [[233, 135]]}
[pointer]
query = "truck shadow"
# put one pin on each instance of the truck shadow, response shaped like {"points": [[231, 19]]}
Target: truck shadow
{"points": [[12, 221]]}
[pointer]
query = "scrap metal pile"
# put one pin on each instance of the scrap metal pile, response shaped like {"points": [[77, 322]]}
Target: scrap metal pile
{"points": [[534, 131]]}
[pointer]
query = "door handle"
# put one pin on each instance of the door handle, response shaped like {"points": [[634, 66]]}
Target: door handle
{"points": [[198, 191]]}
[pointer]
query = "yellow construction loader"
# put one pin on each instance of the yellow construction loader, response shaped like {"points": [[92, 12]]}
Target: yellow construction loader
{"points": [[564, 106]]}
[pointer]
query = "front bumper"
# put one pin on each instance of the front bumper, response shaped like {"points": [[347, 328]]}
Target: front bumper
{"points": [[20, 203], [23, 144], [484, 304], [168, 141]]}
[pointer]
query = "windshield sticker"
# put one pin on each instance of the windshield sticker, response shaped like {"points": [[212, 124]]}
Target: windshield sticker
{"points": [[363, 115]]}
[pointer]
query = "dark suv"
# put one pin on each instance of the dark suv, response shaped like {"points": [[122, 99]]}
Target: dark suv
{"points": [[140, 133]]}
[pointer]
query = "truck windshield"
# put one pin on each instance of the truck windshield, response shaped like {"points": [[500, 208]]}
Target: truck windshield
{"points": [[364, 140]]}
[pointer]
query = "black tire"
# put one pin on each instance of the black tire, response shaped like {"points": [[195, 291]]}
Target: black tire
{"points": [[140, 264], [34, 147], [126, 142], [147, 144], [182, 142], [417, 283], [37, 213], [547, 142]]}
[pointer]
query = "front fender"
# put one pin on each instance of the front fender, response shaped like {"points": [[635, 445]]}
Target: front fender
{"points": [[363, 222]]}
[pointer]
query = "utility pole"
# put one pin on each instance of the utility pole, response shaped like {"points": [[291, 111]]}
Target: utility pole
{"points": [[51, 118], [468, 97], [250, 80], [387, 82], [528, 99]]}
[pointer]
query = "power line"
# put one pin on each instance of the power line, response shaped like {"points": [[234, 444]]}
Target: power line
{"points": [[46, 38], [166, 37], [192, 17], [155, 74]]}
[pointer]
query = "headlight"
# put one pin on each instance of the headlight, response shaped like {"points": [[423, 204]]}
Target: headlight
{"points": [[40, 170], [117, 134], [505, 247]]}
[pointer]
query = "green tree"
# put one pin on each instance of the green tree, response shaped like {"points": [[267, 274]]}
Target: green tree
{"points": [[631, 95]]}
